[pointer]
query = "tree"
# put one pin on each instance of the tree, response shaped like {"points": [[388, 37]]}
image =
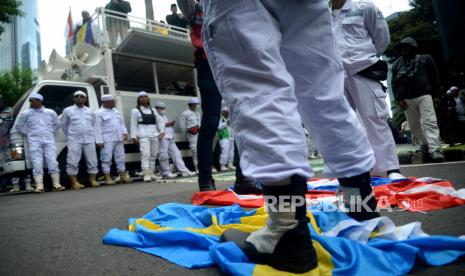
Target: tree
{"points": [[8, 10], [14, 83], [419, 23]]}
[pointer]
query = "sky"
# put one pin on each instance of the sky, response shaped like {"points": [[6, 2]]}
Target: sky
{"points": [[54, 13]]}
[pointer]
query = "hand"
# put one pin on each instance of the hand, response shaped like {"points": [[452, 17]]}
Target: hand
{"points": [[161, 136], [135, 141], [125, 136], [100, 146], [403, 105]]}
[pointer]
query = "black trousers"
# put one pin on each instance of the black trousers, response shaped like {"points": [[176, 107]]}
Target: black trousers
{"points": [[211, 109]]}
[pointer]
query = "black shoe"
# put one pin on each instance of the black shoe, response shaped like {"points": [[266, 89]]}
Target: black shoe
{"points": [[294, 252], [207, 186], [357, 190], [245, 186]]}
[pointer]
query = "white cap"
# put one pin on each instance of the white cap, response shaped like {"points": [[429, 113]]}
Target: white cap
{"points": [[225, 108], [453, 88], [160, 104], [79, 92], [194, 100], [36, 96], [107, 98], [142, 93]]}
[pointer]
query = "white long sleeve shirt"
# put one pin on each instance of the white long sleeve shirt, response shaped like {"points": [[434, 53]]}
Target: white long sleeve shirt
{"points": [[361, 33], [143, 130], [189, 119], [39, 125], [169, 131], [78, 124], [109, 126]]}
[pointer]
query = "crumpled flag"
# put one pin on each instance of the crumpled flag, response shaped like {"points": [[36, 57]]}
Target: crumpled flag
{"points": [[188, 235], [412, 194]]}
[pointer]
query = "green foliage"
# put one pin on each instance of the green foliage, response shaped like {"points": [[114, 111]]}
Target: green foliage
{"points": [[8, 10], [419, 23], [14, 83]]}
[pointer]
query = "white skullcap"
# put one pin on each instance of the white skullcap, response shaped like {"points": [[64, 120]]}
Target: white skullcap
{"points": [[107, 98], [79, 92], [36, 96], [453, 88], [142, 93], [160, 104], [194, 100], [225, 108]]}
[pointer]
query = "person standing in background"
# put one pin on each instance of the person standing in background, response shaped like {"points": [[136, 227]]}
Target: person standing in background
{"points": [[78, 123], [110, 132], [189, 122], [415, 82], [168, 147], [117, 24], [226, 141], [175, 18], [39, 124], [147, 129]]}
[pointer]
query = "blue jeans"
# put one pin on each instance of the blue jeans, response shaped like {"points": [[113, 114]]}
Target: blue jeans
{"points": [[211, 109]]}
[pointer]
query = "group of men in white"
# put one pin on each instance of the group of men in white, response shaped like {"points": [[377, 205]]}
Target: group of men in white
{"points": [[105, 129]]}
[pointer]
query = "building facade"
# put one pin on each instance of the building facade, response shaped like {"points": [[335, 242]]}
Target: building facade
{"points": [[20, 42]]}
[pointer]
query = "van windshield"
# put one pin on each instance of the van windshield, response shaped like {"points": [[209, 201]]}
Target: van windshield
{"points": [[58, 97]]}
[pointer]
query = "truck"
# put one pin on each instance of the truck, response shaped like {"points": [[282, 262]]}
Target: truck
{"points": [[147, 56]]}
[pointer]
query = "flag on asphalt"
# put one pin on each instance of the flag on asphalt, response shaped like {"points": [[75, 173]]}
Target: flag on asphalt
{"points": [[189, 236], [413, 194]]}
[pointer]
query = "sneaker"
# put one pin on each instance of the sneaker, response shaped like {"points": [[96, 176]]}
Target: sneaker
{"points": [[214, 170], [223, 168], [187, 173], [437, 156], [169, 175], [396, 176]]}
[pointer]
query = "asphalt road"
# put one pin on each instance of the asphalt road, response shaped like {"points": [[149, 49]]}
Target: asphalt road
{"points": [[61, 233]]}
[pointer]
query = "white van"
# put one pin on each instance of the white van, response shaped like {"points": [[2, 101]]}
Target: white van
{"points": [[153, 57]]}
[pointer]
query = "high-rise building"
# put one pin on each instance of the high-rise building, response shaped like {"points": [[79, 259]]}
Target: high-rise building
{"points": [[20, 42]]}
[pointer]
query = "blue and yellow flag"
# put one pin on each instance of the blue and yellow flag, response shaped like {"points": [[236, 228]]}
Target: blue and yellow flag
{"points": [[84, 34], [189, 236]]}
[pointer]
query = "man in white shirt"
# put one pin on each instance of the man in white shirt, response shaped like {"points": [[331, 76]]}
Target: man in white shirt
{"points": [[147, 129], [110, 132], [39, 124], [78, 123], [168, 147], [190, 125]]}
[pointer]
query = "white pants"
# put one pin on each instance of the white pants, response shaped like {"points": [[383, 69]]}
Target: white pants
{"points": [[368, 98], [193, 147], [37, 152], [227, 151], [168, 148], [74, 156], [276, 64], [117, 27], [421, 118], [148, 148], [115, 148]]}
